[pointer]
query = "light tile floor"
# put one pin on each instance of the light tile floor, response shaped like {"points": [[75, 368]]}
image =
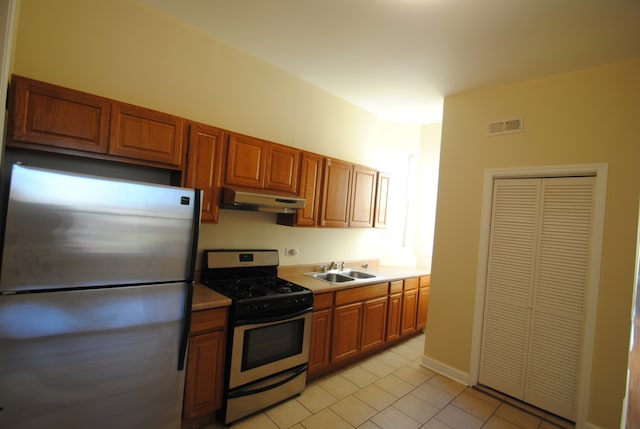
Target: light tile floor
{"points": [[391, 390]]}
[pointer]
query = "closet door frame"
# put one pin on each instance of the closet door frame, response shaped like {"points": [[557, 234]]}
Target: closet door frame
{"points": [[600, 171]]}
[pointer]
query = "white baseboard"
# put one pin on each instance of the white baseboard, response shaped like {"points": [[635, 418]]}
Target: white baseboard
{"points": [[446, 370]]}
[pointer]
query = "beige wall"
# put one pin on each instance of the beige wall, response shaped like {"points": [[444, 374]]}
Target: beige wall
{"points": [[125, 50], [589, 116]]}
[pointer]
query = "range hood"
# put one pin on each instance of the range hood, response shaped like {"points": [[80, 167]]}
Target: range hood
{"points": [[242, 200]]}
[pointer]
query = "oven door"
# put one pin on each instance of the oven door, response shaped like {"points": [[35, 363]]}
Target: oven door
{"points": [[264, 348]]}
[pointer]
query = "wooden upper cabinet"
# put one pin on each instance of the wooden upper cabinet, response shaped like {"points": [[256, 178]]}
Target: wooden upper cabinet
{"points": [[382, 199], [65, 120], [283, 168], [259, 164], [49, 115], [147, 135], [309, 188], [363, 193], [203, 167], [336, 193], [246, 161]]}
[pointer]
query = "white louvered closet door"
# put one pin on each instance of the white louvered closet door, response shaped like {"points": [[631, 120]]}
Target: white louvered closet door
{"points": [[536, 287]]}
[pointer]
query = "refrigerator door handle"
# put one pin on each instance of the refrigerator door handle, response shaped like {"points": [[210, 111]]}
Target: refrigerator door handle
{"points": [[186, 328], [184, 340]]}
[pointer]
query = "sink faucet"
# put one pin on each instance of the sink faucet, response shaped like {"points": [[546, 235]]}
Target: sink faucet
{"points": [[341, 266]]}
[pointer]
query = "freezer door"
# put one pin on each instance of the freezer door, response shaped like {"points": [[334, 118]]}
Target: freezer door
{"points": [[65, 230], [101, 358]]}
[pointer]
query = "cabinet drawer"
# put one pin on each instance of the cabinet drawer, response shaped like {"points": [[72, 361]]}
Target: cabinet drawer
{"points": [[322, 300], [410, 284], [395, 287], [361, 293], [425, 281], [207, 320]]}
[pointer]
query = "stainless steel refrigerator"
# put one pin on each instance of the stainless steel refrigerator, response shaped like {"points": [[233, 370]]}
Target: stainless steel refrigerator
{"points": [[95, 295]]}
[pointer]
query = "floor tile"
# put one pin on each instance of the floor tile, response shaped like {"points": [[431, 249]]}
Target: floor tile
{"points": [[448, 385], [412, 375], [497, 422], [515, 415], [458, 419], [393, 359], [377, 367], [394, 385], [257, 421], [433, 395], [406, 351], [338, 386], [360, 376], [416, 408], [368, 425], [375, 397], [353, 410], [435, 424], [392, 418], [315, 398], [474, 405], [288, 413], [325, 419]]}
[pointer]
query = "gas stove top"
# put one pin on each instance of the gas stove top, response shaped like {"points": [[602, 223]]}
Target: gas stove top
{"points": [[249, 278], [255, 288]]}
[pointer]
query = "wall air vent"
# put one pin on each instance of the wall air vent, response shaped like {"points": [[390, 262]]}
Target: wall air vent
{"points": [[504, 127]]}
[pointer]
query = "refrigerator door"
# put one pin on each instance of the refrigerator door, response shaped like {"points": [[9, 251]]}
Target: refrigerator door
{"points": [[66, 230], [100, 358]]}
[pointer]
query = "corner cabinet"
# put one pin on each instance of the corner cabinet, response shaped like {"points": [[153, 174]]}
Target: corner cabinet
{"points": [[58, 119], [205, 364], [259, 164], [204, 163]]}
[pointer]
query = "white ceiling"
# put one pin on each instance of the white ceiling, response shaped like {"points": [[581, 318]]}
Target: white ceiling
{"points": [[399, 58]]}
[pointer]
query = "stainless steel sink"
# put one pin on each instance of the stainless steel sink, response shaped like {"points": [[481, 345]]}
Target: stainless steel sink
{"points": [[342, 276], [358, 274], [333, 277]]}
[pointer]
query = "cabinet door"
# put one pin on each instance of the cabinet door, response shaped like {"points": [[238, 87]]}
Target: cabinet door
{"points": [[310, 183], [336, 195], [205, 372], [409, 309], [347, 323], [147, 135], [382, 198], [283, 168], [203, 167], [319, 350], [423, 307], [374, 323], [393, 319], [54, 116], [363, 192], [246, 161]]}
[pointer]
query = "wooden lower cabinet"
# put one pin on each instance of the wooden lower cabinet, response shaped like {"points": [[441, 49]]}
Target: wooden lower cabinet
{"points": [[374, 323], [205, 364], [423, 301], [350, 324], [346, 333], [321, 330], [395, 310], [409, 306]]}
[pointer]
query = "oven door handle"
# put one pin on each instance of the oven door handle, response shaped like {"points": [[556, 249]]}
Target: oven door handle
{"points": [[272, 319], [240, 392]]}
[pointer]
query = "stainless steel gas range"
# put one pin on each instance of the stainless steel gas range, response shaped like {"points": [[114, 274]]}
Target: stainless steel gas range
{"points": [[269, 329]]}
